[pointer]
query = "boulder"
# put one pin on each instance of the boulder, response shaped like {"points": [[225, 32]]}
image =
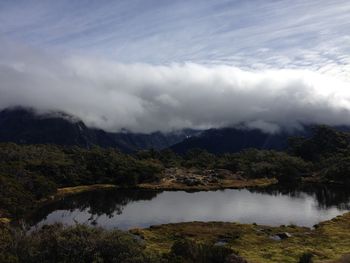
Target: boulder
{"points": [[233, 258], [283, 235]]}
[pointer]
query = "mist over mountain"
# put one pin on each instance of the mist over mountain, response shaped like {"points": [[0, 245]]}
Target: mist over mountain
{"points": [[146, 98], [24, 126], [178, 67]]}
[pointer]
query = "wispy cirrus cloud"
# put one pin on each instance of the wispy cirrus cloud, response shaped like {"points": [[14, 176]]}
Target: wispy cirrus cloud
{"points": [[273, 33]]}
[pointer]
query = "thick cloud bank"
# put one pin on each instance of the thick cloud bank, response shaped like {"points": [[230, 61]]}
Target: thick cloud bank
{"points": [[145, 98]]}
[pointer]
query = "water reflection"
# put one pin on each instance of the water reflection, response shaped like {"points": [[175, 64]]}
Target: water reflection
{"points": [[106, 203], [326, 196], [125, 209]]}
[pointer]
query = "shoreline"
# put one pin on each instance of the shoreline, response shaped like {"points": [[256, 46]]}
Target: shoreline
{"points": [[164, 185], [329, 240], [227, 184], [224, 184], [74, 190]]}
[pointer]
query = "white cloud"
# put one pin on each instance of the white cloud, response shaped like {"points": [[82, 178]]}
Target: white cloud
{"points": [[143, 97]]}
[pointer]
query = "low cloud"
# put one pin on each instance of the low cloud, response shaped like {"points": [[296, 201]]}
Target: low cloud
{"points": [[146, 98]]}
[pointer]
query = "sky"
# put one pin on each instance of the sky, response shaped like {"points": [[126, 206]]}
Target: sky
{"points": [[149, 65]]}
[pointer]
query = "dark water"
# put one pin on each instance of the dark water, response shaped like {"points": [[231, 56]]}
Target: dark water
{"points": [[126, 209]]}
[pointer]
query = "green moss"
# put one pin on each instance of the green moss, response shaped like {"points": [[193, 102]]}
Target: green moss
{"points": [[255, 243]]}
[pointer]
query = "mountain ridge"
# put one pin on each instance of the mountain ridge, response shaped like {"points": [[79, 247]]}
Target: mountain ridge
{"points": [[24, 126]]}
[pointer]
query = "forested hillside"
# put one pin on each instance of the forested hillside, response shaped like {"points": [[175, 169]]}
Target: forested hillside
{"points": [[32, 172]]}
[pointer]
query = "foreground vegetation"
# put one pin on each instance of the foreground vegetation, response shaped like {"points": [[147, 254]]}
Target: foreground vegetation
{"points": [[328, 241], [82, 244], [195, 242], [31, 174]]}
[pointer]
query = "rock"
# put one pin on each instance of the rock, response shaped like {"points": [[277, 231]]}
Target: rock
{"points": [[138, 238], [233, 258], [220, 243], [275, 237], [192, 181], [213, 180], [283, 235]]}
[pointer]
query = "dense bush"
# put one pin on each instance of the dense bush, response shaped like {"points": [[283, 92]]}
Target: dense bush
{"points": [[252, 162], [78, 244], [338, 170], [15, 199], [189, 251], [83, 244], [31, 172], [67, 166], [280, 165], [306, 258], [167, 157], [199, 158], [8, 245], [324, 142]]}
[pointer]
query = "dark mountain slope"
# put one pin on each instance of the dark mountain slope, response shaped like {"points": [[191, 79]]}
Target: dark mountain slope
{"points": [[234, 140], [155, 140], [23, 126]]}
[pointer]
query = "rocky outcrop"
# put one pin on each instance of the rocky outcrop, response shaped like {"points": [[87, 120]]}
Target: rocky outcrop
{"points": [[194, 177]]}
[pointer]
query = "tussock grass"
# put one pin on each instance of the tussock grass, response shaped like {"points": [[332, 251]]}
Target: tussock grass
{"points": [[327, 242]]}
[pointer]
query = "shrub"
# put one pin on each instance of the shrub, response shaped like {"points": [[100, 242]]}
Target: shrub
{"points": [[306, 258], [80, 244], [186, 250]]}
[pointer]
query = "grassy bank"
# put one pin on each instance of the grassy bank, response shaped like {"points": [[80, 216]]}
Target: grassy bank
{"points": [[328, 241], [61, 192], [221, 184], [164, 185], [67, 191]]}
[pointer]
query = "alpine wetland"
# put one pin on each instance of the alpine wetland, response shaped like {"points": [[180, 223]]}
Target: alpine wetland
{"points": [[151, 131]]}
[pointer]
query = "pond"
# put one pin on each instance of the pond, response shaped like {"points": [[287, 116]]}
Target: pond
{"points": [[125, 209]]}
